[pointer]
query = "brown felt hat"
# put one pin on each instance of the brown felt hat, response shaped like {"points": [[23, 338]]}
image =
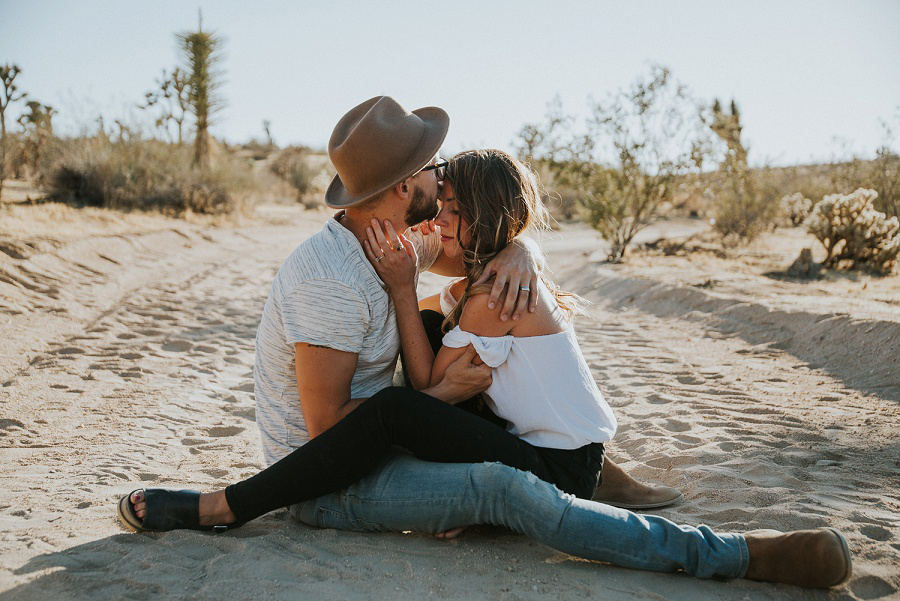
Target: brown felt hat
{"points": [[379, 144]]}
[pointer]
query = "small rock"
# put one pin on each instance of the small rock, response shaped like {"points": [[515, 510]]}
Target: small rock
{"points": [[804, 266]]}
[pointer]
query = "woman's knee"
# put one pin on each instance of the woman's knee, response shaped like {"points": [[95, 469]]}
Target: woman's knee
{"points": [[393, 394], [394, 400]]}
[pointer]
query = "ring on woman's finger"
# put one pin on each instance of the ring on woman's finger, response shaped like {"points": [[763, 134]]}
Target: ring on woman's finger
{"points": [[398, 248], [378, 259], [524, 288]]}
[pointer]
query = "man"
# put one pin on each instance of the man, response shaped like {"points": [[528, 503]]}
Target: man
{"points": [[328, 340]]}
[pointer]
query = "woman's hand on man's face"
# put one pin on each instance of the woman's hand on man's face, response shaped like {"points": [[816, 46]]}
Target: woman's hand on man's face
{"points": [[392, 255]]}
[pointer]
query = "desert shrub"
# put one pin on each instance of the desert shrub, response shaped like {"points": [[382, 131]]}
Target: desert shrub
{"points": [[744, 198], [11, 164], [881, 174], [886, 181], [795, 207], [854, 233], [145, 174], [638, 145], [292, 165], [302, 169], [744, 207]]}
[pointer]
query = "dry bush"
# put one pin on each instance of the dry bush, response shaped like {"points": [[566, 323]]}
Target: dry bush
{"points": [[881, 174], [637, 145], [10, 159], [745, 204], [561, 201], [304, 170], [795, 207], [854, 233], [132, 173]]}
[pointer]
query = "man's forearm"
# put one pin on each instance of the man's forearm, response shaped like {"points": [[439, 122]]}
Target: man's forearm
{"points": [[454, 267], [316, 427]]}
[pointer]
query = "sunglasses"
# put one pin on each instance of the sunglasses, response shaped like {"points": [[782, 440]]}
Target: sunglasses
{"points": [[440, 169]]}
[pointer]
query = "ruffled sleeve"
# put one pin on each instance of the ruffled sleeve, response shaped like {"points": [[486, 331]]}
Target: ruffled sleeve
{"points": [[493, 351]]}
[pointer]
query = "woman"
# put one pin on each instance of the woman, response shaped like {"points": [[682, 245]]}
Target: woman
{"points": [[542, 385]]}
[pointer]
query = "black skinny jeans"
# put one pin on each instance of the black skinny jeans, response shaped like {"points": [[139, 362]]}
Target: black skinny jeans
{"points": [[428, 428]]}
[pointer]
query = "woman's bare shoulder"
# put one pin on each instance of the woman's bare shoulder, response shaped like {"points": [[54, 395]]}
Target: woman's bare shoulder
{"points": [[481, 320]]}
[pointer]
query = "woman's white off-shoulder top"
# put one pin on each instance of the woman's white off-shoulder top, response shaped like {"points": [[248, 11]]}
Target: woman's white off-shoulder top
{"points": [[543, 387]]}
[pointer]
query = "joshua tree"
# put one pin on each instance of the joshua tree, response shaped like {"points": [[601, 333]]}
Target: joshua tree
{"points": [[8, 73], [267, 128], [38, 126], [201, 51], [728, 128]]}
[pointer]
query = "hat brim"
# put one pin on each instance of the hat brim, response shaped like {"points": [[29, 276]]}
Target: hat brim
{"points": [[437, 123]]}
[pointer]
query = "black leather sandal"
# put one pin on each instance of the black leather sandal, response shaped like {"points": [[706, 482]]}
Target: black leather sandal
{"points": [[167, 509]]}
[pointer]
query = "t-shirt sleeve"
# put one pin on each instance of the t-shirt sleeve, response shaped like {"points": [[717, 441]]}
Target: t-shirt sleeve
{"points": [[325, 313], [428, 248]]}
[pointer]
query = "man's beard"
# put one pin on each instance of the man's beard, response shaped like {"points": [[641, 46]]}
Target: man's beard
{"points": [[421, 208]]}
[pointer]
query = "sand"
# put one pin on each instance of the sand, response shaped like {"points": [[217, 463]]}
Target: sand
{"points": [[126, 350]]}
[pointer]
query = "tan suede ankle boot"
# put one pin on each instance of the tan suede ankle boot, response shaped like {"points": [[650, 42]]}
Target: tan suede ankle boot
{"points": [[811, 558]]}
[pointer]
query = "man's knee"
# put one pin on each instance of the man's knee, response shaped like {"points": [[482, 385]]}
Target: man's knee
{"points": [[494, 479]]}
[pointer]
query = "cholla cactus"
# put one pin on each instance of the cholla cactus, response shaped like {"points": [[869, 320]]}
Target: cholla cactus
{"points": [[795, 207], [854, 233]]}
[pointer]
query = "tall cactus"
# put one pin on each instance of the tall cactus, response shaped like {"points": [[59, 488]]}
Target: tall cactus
{"points": [[8, 74], [201, 51], [728, 127]]}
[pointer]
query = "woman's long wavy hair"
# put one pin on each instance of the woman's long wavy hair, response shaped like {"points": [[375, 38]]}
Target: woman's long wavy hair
{"points": [[499, 197]]}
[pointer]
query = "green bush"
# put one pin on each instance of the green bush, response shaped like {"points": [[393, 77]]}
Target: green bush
{"points": [[640, 144], [132, 173]]}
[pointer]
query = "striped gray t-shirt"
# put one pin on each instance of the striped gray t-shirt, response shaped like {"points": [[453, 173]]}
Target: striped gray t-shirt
{"points": [[326, 293]]}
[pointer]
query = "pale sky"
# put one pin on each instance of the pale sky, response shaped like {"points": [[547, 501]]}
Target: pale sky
{"points": [[803, 73]]}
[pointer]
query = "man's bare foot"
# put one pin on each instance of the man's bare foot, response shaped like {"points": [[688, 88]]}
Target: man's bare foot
{"points": [[213, 508], [621, 490], [451, 533]]}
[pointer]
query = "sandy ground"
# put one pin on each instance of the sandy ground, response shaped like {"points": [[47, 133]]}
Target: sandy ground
{"points": [[126, 350]]}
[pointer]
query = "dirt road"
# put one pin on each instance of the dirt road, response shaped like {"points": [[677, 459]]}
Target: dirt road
{"points": [[128, 360]]}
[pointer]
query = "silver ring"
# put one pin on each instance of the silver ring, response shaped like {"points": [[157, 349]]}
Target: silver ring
{"points": [[378, 259], [524, 288], [399, 247]]}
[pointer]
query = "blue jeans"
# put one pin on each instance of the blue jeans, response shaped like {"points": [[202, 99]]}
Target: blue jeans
{"points": [[405, 493]]}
